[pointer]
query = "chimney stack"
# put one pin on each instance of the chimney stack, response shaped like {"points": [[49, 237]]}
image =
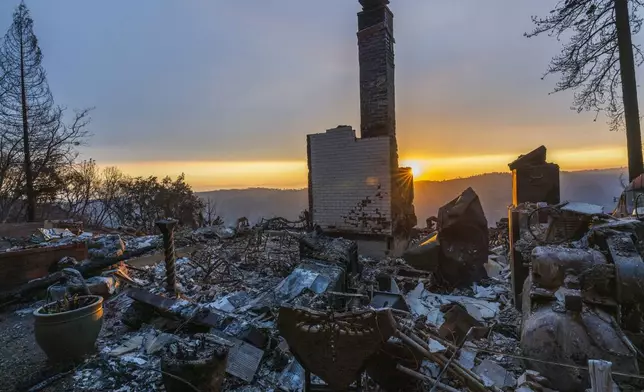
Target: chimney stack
{"points": [[376, 59]]}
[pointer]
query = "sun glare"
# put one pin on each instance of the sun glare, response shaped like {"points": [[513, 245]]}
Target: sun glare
{"points": [[416, 168]]}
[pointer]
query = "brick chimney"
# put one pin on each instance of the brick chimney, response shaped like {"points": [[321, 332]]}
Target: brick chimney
{"points": [[376, 58]]}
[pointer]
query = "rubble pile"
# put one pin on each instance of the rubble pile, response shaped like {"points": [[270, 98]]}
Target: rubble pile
{"points": [[236, 294], [279, 309]]}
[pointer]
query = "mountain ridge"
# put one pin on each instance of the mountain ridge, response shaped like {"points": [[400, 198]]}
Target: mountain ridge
{"points": [[597, 186]]}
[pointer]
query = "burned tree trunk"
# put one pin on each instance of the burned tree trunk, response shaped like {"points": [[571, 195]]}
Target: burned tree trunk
{"points": [[629, 90]]}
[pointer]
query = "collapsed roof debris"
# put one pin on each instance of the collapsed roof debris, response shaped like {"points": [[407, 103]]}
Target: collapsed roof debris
{"points": [[283, 309]]}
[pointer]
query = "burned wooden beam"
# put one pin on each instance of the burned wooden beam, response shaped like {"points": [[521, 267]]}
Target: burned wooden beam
{"points": [[180, 309]]}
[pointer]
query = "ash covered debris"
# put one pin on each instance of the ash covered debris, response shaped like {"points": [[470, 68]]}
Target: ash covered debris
{"points": [[281, 306], [271, 309], [228, 320]]}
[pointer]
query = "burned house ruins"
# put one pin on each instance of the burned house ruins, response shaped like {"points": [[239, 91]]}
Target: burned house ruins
{"points": [[356, 188], [550, 299]]}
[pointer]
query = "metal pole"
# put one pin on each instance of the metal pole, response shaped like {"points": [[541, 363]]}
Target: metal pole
{"points": [[167, 229]]}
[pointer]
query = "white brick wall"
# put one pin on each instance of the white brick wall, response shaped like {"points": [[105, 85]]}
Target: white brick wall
{"points": [[350, 182]]}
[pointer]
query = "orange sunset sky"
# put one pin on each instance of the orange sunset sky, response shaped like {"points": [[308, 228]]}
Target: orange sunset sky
{"points": [[226, 91]]}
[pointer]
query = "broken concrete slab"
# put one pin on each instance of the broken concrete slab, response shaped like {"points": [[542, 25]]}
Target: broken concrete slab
{"points": [[131, 345], [467, 357], [493, 374], [494, 269], [423, 302], [436, 347], [159, 342], [458, 323]]}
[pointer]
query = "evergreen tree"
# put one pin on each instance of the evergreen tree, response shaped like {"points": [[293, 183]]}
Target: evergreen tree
{"points": [[28, 112]]}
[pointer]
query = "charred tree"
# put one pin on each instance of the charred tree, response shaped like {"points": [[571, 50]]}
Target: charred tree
{"points": [[598, 62], [28, 113]]}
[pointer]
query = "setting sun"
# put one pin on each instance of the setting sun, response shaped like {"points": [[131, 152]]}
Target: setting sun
{"points": [[416, 168]]}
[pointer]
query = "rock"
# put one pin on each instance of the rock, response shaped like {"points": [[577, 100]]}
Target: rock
{"points": [[493, 268], [466, 358], [292, 377], [223, 304], [102, 285], [129, 346], [436, 347], [317, 246], [457, 324], [97, 285], [493, 374], [109, 246], [218, 231], [159, 342], [137, 314], [67, 262]]}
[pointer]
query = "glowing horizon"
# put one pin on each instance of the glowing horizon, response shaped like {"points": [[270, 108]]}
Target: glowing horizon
{"points": [[213, 175]]}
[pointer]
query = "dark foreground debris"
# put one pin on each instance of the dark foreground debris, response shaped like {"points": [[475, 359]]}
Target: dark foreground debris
{"points": [[289, 310]]}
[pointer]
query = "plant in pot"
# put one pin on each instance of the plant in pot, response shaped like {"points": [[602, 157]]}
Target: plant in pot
{"points": [[67, 329]]}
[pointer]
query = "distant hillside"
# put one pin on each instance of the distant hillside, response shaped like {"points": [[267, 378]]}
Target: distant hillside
{"points": [[494, 189]]}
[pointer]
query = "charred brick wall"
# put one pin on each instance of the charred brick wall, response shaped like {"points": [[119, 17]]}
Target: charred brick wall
{"points": [[350, 182], [21, 266], [376, 58]]}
